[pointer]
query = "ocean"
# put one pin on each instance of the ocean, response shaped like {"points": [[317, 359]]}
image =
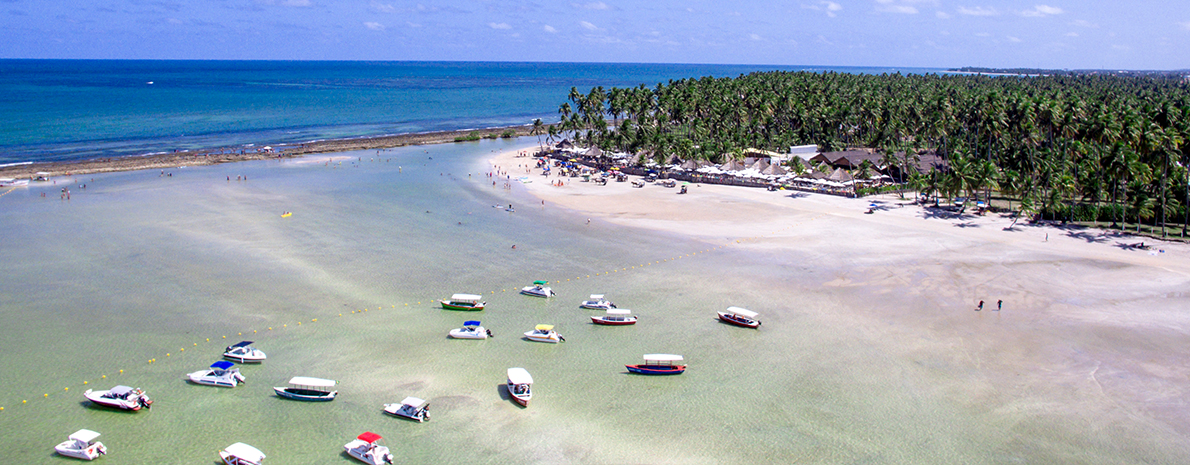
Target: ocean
{"points": [[58, 110]]}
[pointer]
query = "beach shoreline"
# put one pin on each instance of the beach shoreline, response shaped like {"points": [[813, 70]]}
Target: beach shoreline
{"points": [[213, 156]]}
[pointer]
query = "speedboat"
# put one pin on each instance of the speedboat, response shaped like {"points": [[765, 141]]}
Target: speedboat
{"points": [[740, 317], [308, 389], [470, 330], [464, 302], [538, 289], [365, 449], [241, 454], [221, 374], [411, 408], [615, 317], [243, 352], [658, 364], [81, 445], [121, 397], [544, 333], [520, 385], [597, 302]]}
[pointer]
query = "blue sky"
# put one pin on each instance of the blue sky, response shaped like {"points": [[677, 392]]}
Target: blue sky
{"points": [[1143, 34]]}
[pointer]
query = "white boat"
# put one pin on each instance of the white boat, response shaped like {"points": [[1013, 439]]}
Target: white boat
{"points": [[520, 385], [469, 302], [597, 302], [81, 445], [243, 352], [221, 374], [308, 389], [10, 182], [615, 317], [241, 454], [470, 330], [740, 317], [121, 397], [538, 289], [411, 408], [365, 449], [544, 333]]}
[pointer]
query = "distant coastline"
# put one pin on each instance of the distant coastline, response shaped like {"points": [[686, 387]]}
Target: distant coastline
{"points": [[219, 156], [1177, 73]]}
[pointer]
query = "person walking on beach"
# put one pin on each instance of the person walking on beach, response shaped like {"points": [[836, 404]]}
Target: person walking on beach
{"points": [[980, 306], [999, 305]]}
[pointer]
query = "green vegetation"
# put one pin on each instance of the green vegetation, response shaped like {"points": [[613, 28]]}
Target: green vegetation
{"points": [[470, 137], [1060, 146]]}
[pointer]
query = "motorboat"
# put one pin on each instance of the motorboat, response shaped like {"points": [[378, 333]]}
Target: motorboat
{"points": [[365, 449], [121, 397], [243, 352], [469, 302], [10, 182], [470, 330], [740, 317], [538, 289], [241, 454], [544, 333], [220, 374], [659, 364], [597, 302], [81, 445], [520, 385], [615, 317], [411, 408], [308, 389]]}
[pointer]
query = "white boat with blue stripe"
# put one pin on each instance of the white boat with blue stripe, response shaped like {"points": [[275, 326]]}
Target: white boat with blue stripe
{"points": [[221, 374]]}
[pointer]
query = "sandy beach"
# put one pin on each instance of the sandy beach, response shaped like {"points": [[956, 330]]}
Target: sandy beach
{"points": [[1092, 333]]}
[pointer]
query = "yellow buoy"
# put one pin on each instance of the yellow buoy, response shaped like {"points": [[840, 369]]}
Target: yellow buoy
{"points": [[167, 354], [121, 371], [316, 319], [84, 383]]}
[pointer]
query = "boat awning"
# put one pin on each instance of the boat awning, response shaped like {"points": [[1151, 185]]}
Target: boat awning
{"points": [[471, 323], [540, 282], [742, 312], [544, 327], [83, 435], [245, 452], [519, 376], [315, 382], [121, 390], [596, 296], [662, 358], [414, 402], [222, 365], [242, 344], [619, 311], [465, 298], [369, 437]]}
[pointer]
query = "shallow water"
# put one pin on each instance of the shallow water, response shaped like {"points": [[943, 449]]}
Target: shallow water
{"points": [[140, 267]]}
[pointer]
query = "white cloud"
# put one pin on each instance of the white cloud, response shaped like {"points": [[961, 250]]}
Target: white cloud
{"points": [[286, 2], [1185, 25], [1013, 39], [499, 26], [893, 6], [549, 29], [978, 11], [754, 36], [413, 25], [1071, 34], [383, 7], [588, 26], [1083, 23], [374, 26], [942, 14], [592, 6], [826, 6], [174, 21], [1042, 10], [982, 34]]}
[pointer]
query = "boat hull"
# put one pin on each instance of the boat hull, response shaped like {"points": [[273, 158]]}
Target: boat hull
{"points": [[307, 395], [597, 305], [67, 449], [543, 292], [457, 334], [96, 397], [397, 410], [553, 338], [656, 370], [244, 358], [467, 308], [737, 321], [599, 320]]}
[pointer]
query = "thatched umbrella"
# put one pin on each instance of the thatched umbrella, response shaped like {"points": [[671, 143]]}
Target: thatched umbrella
{"points": [[690, 165], [565, 144], [818, 175], [774, 169], [760, 165], [839, 176], [593, 152], [732, 165]]}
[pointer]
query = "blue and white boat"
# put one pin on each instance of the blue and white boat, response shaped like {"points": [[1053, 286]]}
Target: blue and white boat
{"points": [[538, 289], [470, 330], [243, 352], [221, 374], [659, 364], [308, 389]]}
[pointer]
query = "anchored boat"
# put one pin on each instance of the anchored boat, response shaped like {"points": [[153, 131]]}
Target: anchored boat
{"points": [[412, 408], [243, 352], [520, 386], [221, 374], [81, 445], [740, 317], [308, 389], [365, 449], [470, 330], [659, 364], [121, 397], [615, 317], [241, 454], [597, 302], [470, 302], [544, 333], [538, 289]]}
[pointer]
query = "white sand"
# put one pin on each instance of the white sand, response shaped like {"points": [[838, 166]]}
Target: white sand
{"points": [[1093, 334]]}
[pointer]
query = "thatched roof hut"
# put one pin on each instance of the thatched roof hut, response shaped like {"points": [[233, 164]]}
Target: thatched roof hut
{"points": [[732, 165], [593, 152], [690, 165], [774, 169], [565, 144], [839, 176], [760, 165]]}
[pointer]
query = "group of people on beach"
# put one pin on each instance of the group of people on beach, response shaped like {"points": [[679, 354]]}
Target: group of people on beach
{"points": [[999, 305]]}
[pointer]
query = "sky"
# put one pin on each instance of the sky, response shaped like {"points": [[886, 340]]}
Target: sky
{"points": [[1061, 34]]}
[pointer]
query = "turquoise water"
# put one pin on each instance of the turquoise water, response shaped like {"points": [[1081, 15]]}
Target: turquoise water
{"points": [[78, 109], [140, 267]]}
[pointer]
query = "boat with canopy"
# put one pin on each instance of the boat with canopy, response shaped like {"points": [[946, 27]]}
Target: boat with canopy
{"points": [[538, 289], [520, 385], [471, 330], [740, 317], [597, 302], [412, 408], [544, 333], [243, 352], [365, 449], [241, 454], [615, 317], [220, 374], [659, 364], [81, 445], [469, 302], [308, 389], [121, 397]]}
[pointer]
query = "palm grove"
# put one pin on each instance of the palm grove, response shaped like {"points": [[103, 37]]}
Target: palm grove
{"points": [[1081, 148]]}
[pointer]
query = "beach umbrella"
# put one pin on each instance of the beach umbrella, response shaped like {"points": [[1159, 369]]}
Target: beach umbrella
{"points": [[689, 165], [774, 169], [731, 165]]}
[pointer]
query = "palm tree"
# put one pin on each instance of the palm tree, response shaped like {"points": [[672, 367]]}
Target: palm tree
{"points": [[536, 131]]}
